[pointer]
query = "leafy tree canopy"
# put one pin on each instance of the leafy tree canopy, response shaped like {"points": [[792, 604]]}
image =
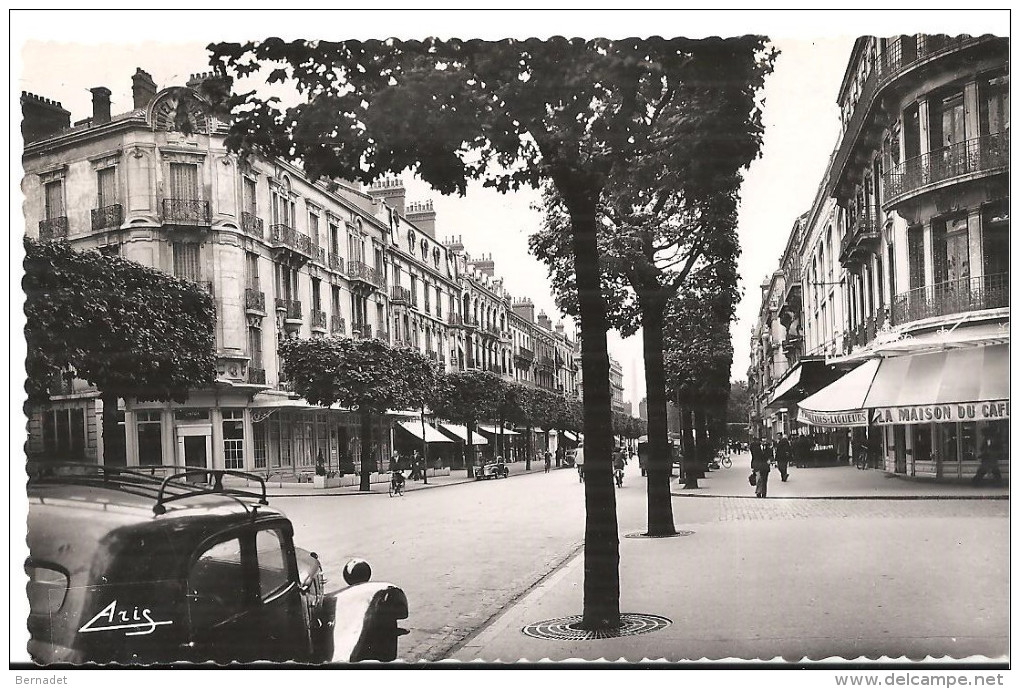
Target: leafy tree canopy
{"points": [[468, 397], [130, 330]]}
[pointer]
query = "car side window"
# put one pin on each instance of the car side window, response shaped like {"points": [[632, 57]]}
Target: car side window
{"points": [[216, 585], [47, 588], [274, 574]]}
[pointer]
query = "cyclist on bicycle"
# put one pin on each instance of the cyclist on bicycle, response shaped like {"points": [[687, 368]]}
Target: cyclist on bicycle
{"points": [[397, 481], [618, 464]]}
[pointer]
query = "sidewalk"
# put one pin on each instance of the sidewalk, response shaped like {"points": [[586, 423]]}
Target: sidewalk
{"points": [[279, 489], [785, 580], [836, 482]]}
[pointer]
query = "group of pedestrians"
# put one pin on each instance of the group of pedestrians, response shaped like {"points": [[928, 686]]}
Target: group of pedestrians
{"points": [[763, 454]]}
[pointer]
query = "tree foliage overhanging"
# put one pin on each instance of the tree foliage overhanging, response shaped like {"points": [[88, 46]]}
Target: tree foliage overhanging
{"points": [[130, 330]]}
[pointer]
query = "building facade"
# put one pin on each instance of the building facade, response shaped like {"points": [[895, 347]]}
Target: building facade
{"points": [[911, 230], [282, 256]]}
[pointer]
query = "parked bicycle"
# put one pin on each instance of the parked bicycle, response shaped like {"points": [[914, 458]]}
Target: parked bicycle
{"points": [[726, 462]]}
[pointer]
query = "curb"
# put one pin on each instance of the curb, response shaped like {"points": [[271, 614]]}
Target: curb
{"points": [[423, 486], [852, 497]]}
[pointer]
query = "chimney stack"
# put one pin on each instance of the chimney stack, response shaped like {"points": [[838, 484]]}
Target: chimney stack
{"points": [[143, 88], [41, 118], [485, 265], [100, 104], [544, 321], [423, 216], [391, 190], [524, 308], [559, 329]]}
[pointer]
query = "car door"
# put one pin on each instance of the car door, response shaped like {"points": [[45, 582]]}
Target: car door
{"points": [[243, 598]]}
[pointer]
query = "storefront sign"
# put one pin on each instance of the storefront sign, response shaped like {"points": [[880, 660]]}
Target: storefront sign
{"points": [[941, 413], [825, 418]]}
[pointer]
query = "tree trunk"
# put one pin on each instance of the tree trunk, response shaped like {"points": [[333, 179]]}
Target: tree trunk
{"points": [[704, 444], [689, 463], [113, 441], [528, 450], [469, 453], [366, 449], [424, 450], [660, 461], [601, 533]]}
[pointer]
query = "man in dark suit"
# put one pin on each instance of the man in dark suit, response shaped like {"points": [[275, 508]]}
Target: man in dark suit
{"points": [[784, 455], [761, 458]]}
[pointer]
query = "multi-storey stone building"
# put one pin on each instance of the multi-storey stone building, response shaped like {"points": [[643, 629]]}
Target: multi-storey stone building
{"points": [[915, 209], [282, 257]]}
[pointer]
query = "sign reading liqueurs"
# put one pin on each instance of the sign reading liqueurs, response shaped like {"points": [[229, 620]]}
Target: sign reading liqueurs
{"points": [[941, 413], [830, 418]]}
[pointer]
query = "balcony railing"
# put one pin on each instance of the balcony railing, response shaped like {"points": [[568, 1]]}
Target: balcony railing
{"points": [[252, 224], [336, 263], [469, 322], [319, 320], [899, 55], [362, 331], [186, 212], [256, 376], [400, 294], [53, 228], [290, 307], [282, 235], [861, 228], [454, 319], [982, 154], [526, 354], [337, 325], [952, 296], [254, 300], [357, 270], [107, 216]]}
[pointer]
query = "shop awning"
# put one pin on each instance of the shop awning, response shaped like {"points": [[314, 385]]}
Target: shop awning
{"points": [[842, 402], [494, 430], [460, 433], [956, 385], [431, 434], [806, 378], [570, 435]]}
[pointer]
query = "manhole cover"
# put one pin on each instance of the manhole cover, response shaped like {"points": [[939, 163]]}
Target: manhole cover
{"points": [[641, 534], [568, 628]]}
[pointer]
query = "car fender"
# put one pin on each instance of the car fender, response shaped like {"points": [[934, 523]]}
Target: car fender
{"points": [[358, 614]]}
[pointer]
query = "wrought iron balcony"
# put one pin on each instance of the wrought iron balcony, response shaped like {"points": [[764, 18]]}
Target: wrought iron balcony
{"points": [[900, 55], [186, 212], [256, 376], [454, 319], [362, 272], [252, 224], [526, 354], [361, 331], [469, 321], [254, 301], [318, 320], [400, 295], [953, 296], [984, 154], [337, 325], [861, 235], [290, 307], [107, 216], [53, 228], [336, 263], [283, 236]]}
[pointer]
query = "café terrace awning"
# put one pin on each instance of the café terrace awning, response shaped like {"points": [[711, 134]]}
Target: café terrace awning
{"points": [[966, 384], [431, 434], [460, 433], [494, 430], [807, 377]]}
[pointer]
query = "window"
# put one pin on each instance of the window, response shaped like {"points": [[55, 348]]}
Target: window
{"points": [[379, 265], [336, 300], [313, 228], [439, 302], [251, 270], [106, 187], [947, 120], [334, 240], [186, 261], [994, 105], [995, 240], [250, 203], [54, 192], [233, 439], [427, 290], [184, 182], [47, 588], [316, 297], [150, 438], [259, 445], [64, 434], [255, 347], [950, 249], [216, 585], [272, 561], [915, 256]]}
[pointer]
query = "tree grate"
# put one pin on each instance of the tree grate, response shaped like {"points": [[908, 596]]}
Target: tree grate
{"points": [[568, 628], [641, 534]]}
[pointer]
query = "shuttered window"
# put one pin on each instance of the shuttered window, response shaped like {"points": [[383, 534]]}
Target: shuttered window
{"points": [[184, 182], [106, 187], [186, 261], [55, 200]]}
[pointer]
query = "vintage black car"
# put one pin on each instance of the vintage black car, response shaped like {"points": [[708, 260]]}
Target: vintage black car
{"points": [[128, 567], [492, 470]]}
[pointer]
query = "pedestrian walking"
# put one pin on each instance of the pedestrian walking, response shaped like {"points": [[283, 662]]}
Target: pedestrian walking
{"points": [[548, 461], [784, 454], [415, 466], [761, 461], [989, 456]]}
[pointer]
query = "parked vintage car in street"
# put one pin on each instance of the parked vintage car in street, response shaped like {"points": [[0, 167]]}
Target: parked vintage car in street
{"points": [[491, 470], [128, 566]]}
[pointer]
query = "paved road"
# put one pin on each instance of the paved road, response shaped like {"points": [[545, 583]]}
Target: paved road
{"points": [[466, 553], [462, 552]]}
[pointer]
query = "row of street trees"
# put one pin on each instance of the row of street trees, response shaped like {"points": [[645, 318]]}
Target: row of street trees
{"points": [[597, 122]]}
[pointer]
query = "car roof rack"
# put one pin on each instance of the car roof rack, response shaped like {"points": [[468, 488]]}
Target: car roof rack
{"points": [[148, 481]]}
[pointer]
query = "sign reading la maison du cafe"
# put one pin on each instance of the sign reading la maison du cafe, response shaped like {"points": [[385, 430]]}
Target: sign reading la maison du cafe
{"points": [[941, 413]]}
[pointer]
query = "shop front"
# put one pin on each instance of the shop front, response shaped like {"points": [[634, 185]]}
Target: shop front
{"points": [[930, 414]]}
